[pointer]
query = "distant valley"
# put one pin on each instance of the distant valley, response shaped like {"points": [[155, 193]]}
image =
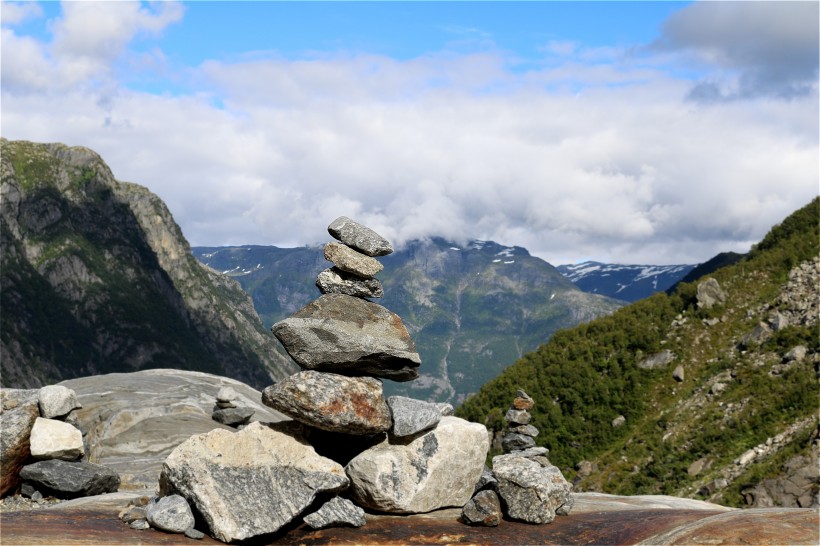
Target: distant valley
{"points": [[472, 310]]}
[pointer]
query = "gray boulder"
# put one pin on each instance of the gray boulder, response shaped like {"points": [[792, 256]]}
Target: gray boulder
{"points": [[434, 470], [336, 403], [233, 416], [513, 441], [657, 360], [351, 336], [336, 281], [57, 401], [171, 514], [352, 261], [52, 439], [19, 411], [250, 482], [531, 488], [483, 509], [527, 430], [411, 416], [517, 417], [710, 294], [337, 512], [359, 237], [70, 479]]}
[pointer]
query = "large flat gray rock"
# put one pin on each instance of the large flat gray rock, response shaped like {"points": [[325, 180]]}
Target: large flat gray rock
{"points": [[351, 336], [133, 421]]}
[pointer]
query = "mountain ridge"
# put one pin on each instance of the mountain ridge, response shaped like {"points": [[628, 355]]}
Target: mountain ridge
{"points": [[101, 279], [624, 281], [471, 308], [671, 395]]}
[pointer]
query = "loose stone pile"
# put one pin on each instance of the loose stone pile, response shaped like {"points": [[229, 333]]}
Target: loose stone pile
{"points": [[42, 449], [395, 455]]}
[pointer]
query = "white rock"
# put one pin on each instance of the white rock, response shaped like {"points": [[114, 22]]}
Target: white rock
{"points": [[52, 439], [250, 482], [435, 470]]}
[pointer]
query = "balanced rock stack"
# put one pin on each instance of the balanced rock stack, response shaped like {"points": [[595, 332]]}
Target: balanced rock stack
{"points": [[523, 484], [346, 443], [520, 434], [226, 410]]}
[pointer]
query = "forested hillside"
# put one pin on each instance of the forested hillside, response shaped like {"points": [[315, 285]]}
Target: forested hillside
{"points": [[714, 401]]}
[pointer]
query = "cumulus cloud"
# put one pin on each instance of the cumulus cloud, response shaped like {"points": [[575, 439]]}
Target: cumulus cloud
{"points": [[760, 48], [573, 160]]}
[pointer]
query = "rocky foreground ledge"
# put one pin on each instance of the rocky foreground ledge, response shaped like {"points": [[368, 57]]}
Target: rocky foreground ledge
{"points": [[596, 519], [133, 421]]}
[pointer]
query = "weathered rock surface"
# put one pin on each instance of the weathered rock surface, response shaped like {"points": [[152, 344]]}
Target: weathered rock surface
{"points": [[251, 482], [531, 488], [66, 480], [171, 514], [359, 237], [485, 481], [596, 519], [337, 512], [19, 411], [522, 401], [57, 401], [516, 442], [52, 439], [343, 334], [233, 416], [411, 416], [710, 294], [348, 259], [434, 470], [336, 281], [336, 403], [517, 417], [132, 421], [657, 360], [483, 509], [226, 394]]}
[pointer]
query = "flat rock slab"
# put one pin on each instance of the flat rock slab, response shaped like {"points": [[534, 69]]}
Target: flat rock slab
{"points": [[134, 420], [597, 519], [351, 336]]}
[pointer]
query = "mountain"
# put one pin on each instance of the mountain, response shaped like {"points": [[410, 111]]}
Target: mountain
{"points": [[672, 396], [97, 278], [471, 309], [625, 282], [713, 264]]}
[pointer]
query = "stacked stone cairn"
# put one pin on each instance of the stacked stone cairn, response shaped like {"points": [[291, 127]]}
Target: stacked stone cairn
{"points": [[345, 442], [42, 449], [523, 485], [227, 412]]}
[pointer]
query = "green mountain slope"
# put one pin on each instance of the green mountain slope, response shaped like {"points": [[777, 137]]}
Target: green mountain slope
{"points": [[97, 278], [745, 412], [471, 310]]}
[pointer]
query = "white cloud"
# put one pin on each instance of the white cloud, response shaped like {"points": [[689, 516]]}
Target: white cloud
{"points": [[451, 145], [14, 13]]}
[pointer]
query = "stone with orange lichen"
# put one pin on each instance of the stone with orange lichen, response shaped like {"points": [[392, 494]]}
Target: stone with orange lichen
{"points": [[336, 403]]}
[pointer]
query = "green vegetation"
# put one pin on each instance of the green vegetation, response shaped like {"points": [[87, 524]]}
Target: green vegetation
{"points": [[730, 400]]}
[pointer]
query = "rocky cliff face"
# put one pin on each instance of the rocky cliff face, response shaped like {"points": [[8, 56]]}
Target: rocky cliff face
{"points": [[98, 278], [471, 309]]}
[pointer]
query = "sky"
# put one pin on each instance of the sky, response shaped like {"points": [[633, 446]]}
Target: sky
{"points": [[622, 132]]}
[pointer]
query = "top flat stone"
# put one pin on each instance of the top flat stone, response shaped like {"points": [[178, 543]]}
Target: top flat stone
{"points": [[357, 236]]}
